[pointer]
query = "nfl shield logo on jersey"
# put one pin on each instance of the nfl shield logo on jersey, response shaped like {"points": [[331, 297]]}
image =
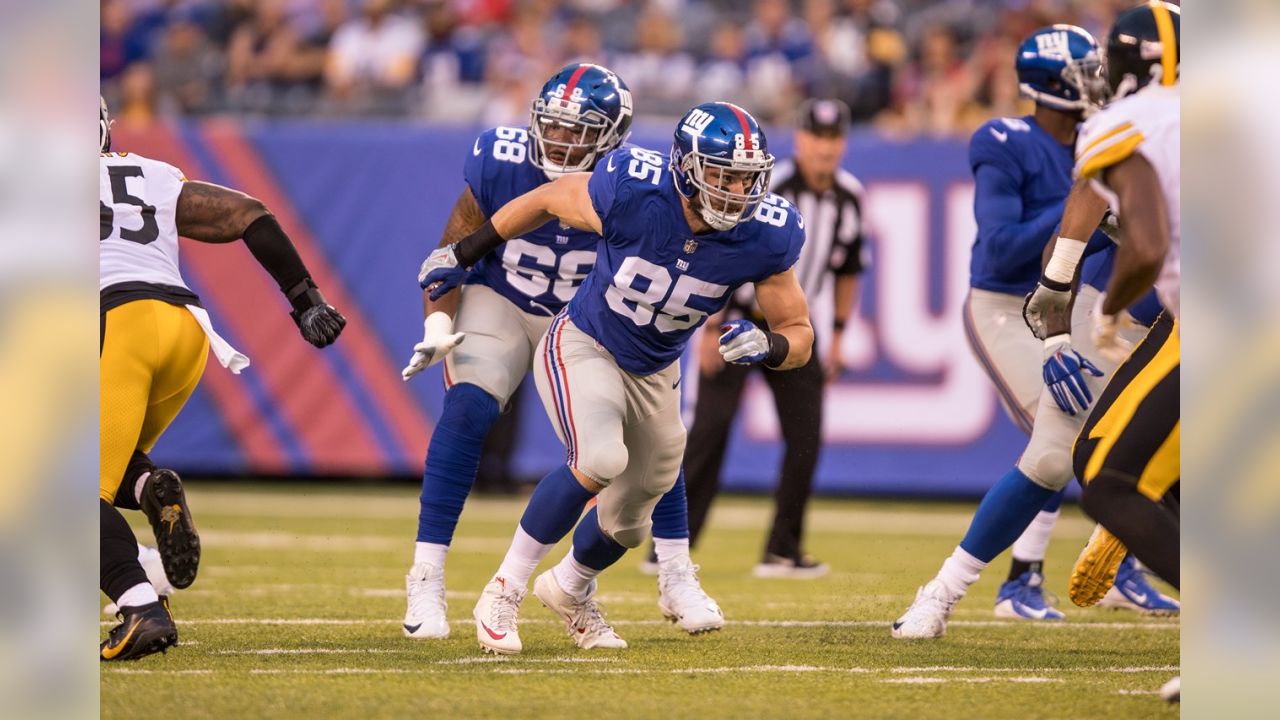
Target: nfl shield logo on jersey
{"points": [[690, 245]]}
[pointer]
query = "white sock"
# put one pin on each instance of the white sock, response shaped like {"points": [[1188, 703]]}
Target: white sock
{"points": [[960, 571], [430, 553], [522, 558], [137, 486], [669, 549], [139, 594], [574, 577], [1030, 546]]}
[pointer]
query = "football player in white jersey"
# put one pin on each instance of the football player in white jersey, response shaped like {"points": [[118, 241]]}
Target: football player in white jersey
{"points": [[154, 340], [1127, 453]]}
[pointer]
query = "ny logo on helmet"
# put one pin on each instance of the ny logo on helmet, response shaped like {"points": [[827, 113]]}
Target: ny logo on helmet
{"points": [[697, 122], [1054, 45]]}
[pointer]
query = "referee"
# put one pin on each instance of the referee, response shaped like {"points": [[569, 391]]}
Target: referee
{"points": [[830, 199]]}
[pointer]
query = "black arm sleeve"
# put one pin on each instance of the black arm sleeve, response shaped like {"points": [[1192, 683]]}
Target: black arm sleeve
{"points": [[483, 241], [275, 252]]}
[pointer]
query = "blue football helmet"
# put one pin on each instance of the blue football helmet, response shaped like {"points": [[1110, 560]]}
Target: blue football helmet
{"points": [[581, 113], [1060, 67], [724, 139]]}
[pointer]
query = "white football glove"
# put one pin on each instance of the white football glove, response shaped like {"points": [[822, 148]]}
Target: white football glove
{"points": [[1047, 311], [1108, 333], [442, 258], [438, 340], [742, 343]]}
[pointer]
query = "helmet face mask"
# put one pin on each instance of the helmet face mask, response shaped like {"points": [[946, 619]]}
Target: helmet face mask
{"points": [[582, 113], [726, 193], [104, 126], [720, 161]]}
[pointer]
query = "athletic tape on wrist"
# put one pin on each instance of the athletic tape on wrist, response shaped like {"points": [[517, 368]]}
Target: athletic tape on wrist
{"points": [[1066, 256]]}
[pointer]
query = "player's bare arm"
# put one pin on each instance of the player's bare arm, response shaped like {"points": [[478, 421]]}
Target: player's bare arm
{"points": [[464, 219], [787, 312], [215, 214], [566, 199], [1146, 235], [1048, 308]]}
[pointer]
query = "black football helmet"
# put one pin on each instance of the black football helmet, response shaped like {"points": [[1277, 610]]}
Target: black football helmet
{"points": [[104, 126], [1143, 47]]}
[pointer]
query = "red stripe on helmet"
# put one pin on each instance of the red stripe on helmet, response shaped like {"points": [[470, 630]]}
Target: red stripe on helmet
{"points": [[746, 128], [573, 80]]}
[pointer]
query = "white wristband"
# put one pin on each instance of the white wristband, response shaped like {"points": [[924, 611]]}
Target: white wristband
{"points": [[1053, 340], [437, 324], [1066, 256]]}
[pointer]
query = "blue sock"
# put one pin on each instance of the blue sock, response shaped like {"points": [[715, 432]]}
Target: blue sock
{"points": [[1055, 501], [671, 515], [555, 506], [1004, 513], [453, 458], [592, 547]]}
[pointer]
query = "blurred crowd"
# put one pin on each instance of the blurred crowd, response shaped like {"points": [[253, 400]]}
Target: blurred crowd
{"points": [[908, 66]]}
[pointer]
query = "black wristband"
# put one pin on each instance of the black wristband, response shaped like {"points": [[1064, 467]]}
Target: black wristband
{"points": [[1055, 285], [838, 325], [274, 251], [479, 243], [302, 296], [779, 348]]}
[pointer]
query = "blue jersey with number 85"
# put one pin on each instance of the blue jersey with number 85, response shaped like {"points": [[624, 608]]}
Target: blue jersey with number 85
{"points": [[540, 270], [654, 281]]}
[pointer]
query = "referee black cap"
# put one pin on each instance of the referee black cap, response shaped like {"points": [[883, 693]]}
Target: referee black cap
{"points": [[824, 116]]}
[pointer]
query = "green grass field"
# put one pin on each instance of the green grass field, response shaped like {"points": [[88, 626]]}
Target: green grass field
{"points": [[296, 613]]}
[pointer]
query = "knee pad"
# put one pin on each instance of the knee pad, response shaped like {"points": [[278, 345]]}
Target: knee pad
{"points": [[1047, 467], [603, 461], [631, 537], [469, 409]]}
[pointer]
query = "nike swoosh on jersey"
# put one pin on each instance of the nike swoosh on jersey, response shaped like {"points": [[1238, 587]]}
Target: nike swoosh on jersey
{"points": [[611, 166], [1001, 136], [475, 150]]}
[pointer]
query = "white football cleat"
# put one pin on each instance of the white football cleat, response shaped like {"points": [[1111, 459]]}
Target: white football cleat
{"points": [[927, 616], [582, 618], [149, 558], [495, 617], [1172, 690], [683, 601], [425, 617]]}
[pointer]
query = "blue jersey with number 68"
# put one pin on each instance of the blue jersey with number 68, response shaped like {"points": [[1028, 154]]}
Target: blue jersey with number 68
{"points": [[654, 281], [540, 270]]}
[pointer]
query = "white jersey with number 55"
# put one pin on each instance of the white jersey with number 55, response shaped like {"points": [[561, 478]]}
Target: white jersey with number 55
{"points": [[138, 202]]}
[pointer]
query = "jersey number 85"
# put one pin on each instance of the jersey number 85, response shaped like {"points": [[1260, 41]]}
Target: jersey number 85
{"points": [[661, 302]]}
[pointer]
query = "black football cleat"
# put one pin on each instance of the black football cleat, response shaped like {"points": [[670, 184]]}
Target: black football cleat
{"points": [[165, 505], [143, 630]]}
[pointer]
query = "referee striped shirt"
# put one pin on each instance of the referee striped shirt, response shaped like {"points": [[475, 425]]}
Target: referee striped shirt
{"points": [[833, 245]]}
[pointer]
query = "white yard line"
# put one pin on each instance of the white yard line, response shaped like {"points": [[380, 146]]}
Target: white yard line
{"points": [[976, 680]]}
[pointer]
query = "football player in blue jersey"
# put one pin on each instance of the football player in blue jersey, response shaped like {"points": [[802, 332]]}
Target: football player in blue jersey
{"points": [[507, 302], [1023, 176], [679, 234]]}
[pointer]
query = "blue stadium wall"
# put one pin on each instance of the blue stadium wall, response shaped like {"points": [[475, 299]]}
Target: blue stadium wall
{"points": [[366, 201]]}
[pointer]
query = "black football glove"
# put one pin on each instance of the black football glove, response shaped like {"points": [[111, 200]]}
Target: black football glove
{"points": [[319, 322]]}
